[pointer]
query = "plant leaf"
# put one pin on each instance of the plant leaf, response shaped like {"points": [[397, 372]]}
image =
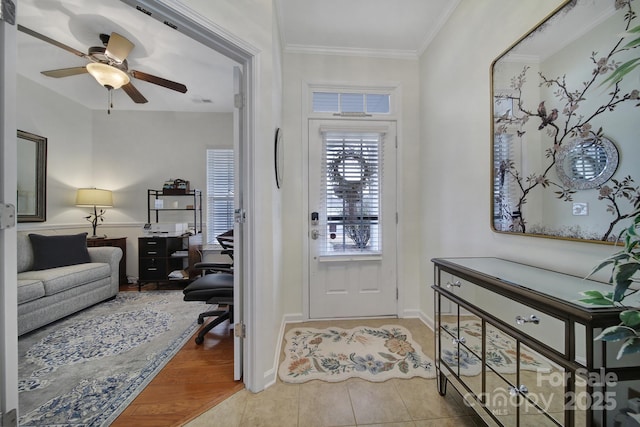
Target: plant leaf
{"points": [[630, 318], [615, 333], [592, 294], [621, 71], [622, 279], [629, 347], [597, 301]]}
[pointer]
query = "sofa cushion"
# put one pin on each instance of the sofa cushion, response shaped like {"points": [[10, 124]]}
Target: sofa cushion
{"points": [[62, 278], [59, 251], [30, 290]]}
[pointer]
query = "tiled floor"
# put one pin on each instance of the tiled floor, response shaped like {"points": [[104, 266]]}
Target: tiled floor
{"points": [[355, 402]]}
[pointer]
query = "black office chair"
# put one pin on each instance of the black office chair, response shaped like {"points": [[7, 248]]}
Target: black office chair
{"points": [[215, 286]]}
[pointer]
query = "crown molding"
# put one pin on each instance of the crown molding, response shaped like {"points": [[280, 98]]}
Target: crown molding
{"points": [[347, 51]]}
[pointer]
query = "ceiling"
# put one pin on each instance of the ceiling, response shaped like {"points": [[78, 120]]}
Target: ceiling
{"points": [[401, 29]]}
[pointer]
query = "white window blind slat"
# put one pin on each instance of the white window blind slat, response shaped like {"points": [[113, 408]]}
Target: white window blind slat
{"points": [[338, 102], [220, 175], [503, 185]]}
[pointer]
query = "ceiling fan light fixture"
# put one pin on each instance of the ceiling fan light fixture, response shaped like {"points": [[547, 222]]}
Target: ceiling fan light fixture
{"points": [[107, 75]]}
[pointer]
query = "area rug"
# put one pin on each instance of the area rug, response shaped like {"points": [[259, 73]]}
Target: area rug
{"points": [[335, 354], [85, 369], [501, 350]]}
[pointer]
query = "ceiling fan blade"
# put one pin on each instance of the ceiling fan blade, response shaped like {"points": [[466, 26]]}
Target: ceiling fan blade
{"points": [[65, 72], [118, 47], [134, 94], [179, 87], [51, 41]]}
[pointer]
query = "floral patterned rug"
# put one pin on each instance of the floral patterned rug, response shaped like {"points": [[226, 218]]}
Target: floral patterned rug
{"points": [[335, 354], [501, 350], [85, 369]]}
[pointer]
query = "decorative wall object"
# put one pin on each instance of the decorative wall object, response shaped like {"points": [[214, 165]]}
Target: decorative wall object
{"points": [[565, 123]]}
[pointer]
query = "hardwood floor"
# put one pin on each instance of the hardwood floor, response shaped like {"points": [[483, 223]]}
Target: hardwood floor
{"points": [[196, 379]]}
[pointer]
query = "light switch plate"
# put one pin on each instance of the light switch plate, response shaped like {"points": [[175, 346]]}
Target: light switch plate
{"points": [[580, 209]]}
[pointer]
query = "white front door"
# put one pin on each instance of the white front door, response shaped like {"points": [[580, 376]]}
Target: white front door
{"points": [[352, 218]]}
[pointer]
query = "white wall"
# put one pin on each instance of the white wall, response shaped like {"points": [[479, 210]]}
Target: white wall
{"points": [[301, 70], [455, 133], [254, 23]]}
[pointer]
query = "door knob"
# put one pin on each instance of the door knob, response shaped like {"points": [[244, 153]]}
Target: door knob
{"points": [[315, 234]]}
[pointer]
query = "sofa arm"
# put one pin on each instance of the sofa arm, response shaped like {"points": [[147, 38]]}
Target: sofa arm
{"points": [[110, 255]]}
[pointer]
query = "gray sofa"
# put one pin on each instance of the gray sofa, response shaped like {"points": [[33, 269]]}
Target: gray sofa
{"points": [[49, 294]]}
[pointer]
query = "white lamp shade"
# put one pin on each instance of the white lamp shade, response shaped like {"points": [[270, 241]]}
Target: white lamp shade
{"points": [[108, 76], [94, 197]]}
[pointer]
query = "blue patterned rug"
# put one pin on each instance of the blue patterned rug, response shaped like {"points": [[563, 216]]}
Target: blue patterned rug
{"points": [[85, 369]]}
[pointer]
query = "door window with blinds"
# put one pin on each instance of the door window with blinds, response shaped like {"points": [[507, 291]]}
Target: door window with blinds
{"points": [[350, 193], [219, 192]]}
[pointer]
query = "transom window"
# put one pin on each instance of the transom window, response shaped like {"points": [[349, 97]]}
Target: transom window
{"points": [[351, 103]]}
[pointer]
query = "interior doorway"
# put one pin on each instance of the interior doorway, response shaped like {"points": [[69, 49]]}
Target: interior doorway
{"points": [[191, 25]]}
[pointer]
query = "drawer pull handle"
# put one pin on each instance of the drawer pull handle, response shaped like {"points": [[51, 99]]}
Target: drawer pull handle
{"points": [[513, 391], [152, 269], [152, 243], [520, 320], [460, 340], [456, 284], [152, 252]]}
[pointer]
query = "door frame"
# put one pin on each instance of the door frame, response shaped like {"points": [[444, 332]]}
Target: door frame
{"points": [[220, 40], [395, 90], [199, 29], [8, 236]]}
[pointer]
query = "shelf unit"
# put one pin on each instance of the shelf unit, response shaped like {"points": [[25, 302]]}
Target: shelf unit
{"points": [[159, 255], [168, 199]]}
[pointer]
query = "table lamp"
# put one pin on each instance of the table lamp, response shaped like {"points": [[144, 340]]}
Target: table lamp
{"points": [[94, 197]]}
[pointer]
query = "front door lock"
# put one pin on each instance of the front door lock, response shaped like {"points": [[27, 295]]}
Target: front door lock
{"points": [[315, 234]]}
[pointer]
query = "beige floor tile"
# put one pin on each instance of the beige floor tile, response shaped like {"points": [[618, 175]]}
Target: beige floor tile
{"points": [[423, 401], [325, 404], [448, 422], [266, 412], [228, 413], [400, 424], [376, 402]]}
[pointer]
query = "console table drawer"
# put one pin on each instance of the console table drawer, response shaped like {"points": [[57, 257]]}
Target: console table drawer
{"points": [[544, 328]]}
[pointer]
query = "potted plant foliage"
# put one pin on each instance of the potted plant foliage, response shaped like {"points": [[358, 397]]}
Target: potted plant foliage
{"points": [[625, 265]]}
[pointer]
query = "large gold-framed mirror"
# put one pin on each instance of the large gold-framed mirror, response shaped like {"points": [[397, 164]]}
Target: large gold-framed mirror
{"points": [[565, 109], [32, 177]]}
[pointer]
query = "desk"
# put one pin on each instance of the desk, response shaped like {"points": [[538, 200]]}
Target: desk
{"points": [[120, 242]]}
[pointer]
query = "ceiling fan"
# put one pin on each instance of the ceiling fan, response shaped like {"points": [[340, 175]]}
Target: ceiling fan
{"points": [[108, 65]]}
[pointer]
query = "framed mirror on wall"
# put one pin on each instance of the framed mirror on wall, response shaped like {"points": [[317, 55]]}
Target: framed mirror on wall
{"points": [[32, 177], [565, 109]]}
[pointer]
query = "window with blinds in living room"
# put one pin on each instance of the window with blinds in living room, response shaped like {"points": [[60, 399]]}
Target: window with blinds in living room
{"points": [[219, 192]]}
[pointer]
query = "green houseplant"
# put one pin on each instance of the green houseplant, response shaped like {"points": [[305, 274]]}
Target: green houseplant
{"points": [[625, 265]]}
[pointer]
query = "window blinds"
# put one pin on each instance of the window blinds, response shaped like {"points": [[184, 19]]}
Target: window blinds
{"points": [[350, 192], [219, 192], [503, 184]]}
